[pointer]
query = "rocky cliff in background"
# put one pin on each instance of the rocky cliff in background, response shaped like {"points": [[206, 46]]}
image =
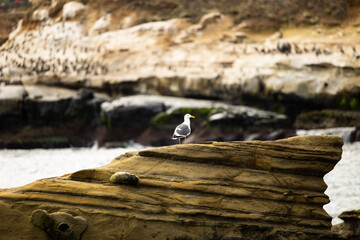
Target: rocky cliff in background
{"points": [[39, 116], [222, 50], [213, 58], [214, 190]]}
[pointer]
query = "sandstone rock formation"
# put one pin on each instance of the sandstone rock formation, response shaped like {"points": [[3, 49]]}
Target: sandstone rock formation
{"points": [[59, 225], [213, 190], [350, 228], [72, 9], [351, 225], [175, 57]]}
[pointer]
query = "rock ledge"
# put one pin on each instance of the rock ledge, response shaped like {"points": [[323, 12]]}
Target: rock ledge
{"points": [[212, 190]]}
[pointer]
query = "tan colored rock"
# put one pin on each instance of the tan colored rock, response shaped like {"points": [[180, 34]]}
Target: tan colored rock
{"points": [[59, 225], [72, 9], [214, 190], [175, 57], [101, 25], [210, 19], [40, 15]]}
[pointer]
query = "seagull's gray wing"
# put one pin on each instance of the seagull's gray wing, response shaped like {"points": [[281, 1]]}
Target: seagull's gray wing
{"points": [[182, 130]]}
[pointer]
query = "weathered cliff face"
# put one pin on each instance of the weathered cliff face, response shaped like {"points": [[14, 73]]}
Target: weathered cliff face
{"points": [[215, 190], [213, 58], [187, 49]]}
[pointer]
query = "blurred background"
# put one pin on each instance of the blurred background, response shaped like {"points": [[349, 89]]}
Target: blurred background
{"points": [[84, 81]]}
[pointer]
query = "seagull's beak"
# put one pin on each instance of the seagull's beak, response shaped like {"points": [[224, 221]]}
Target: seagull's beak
{"points": [[192, 117]]}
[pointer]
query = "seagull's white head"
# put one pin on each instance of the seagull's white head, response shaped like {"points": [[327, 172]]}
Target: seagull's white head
{"points": [[188, 116]]}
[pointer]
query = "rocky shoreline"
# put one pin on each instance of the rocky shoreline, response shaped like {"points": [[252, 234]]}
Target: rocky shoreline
{"points": [[75, 73], [40, 116], [214, 57], [211, 190], [53, 117]]}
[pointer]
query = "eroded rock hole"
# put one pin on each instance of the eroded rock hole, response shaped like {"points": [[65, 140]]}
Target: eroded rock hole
{"points": [[63, 227]]}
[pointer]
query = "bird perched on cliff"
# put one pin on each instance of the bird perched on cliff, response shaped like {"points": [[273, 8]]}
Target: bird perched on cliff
{"points": [[283, 46], [183, 130]]}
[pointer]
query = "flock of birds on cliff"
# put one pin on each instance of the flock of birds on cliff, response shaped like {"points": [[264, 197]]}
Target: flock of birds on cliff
{"points": [[285, 47], [58, 58], [39, 65], [57, 63], [53, 57]]}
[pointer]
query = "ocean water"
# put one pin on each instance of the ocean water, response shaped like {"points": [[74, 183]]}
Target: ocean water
{"points": [[344, 183], [20, 167]]}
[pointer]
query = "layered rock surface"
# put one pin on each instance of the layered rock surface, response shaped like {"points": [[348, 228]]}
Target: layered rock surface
{"points": [[213, 58], [214, 190], [350, 228]]}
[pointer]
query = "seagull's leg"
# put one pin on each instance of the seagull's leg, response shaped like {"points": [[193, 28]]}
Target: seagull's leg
{"points": [[185, 140], [179, 140]]}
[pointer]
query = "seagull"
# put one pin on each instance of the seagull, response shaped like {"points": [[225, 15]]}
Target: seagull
{"points": [[183, 130]]}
